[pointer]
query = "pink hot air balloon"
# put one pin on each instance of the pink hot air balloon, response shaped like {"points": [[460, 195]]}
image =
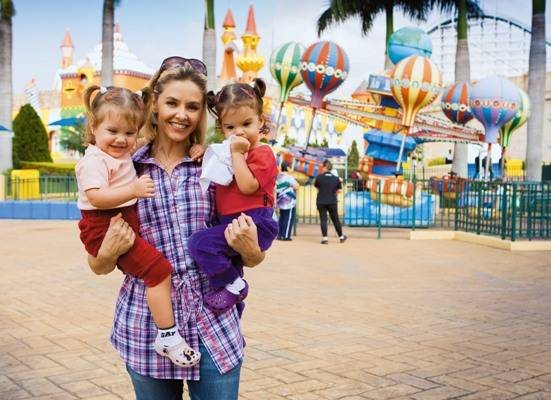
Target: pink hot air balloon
{"points": [[324, 67], [455, 103], [494, 101]]}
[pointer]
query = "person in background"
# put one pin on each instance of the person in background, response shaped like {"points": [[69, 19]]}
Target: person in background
{"points": [[286, 199], [326, 201], [449, 157]]}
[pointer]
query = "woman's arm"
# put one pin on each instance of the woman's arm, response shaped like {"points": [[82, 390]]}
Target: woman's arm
{"points": [[242, 236], [118, 239]]}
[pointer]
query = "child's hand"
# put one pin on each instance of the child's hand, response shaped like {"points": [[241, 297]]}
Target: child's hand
{"points": [[240, 145], [196, 152], [144, 187]]}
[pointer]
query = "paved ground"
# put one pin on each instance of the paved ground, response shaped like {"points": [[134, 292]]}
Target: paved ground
{"points": [[368, 319]]}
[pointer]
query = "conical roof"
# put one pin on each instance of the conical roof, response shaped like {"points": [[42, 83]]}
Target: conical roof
{"points": [[251, 24]]}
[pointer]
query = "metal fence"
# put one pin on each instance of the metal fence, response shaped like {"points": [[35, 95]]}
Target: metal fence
{"points": [[510, 210], [63, 187]]}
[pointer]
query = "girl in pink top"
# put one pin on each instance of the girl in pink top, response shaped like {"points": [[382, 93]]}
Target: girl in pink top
{"points": [[108, 186]]}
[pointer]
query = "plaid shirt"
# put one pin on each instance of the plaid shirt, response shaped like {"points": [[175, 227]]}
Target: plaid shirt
{"points": [[178, 209]]}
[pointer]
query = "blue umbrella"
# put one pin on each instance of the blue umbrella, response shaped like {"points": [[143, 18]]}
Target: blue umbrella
{"points": [[3, 128], [71, 121]]}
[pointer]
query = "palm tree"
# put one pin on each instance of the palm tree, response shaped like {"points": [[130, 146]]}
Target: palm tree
{"points": [[7, 11], [209, 44], [107, 33], [465, 9], [536, 90], [367, 10]]}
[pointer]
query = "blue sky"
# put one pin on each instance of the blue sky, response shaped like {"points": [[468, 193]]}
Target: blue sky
{"points": [[175, 27]]}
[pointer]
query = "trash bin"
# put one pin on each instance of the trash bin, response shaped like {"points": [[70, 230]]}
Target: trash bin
{"points": [[25, 184]]}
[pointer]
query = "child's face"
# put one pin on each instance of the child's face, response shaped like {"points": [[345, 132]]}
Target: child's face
{"points": [[115, 135], [243, 121]]}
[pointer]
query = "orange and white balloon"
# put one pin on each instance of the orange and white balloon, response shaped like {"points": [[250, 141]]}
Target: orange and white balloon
{"points": [[415, 83]]}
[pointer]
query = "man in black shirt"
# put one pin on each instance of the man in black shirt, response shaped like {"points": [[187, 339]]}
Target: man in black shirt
{"points": [[326, 201]]}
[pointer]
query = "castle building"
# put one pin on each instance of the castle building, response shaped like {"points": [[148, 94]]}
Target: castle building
{"points": [[249, 61]]}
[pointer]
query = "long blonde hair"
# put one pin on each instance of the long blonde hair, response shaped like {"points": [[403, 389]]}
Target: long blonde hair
{"points": [[157, 84], [131, 106]]}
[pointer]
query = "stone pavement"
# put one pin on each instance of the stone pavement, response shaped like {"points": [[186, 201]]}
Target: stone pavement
{"points": [[368, 319]]}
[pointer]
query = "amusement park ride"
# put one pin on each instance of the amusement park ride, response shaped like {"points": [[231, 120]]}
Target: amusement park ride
{"points": [[398, 119]]}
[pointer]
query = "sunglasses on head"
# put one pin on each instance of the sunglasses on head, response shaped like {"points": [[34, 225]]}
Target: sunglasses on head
{"points": [[177, 61]]}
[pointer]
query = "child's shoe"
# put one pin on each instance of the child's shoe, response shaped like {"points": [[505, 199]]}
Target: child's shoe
{"points": [[222, 300], [180, 354]]}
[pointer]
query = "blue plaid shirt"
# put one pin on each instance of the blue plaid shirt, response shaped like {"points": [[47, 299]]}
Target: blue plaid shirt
{"points": [[167, 220]]}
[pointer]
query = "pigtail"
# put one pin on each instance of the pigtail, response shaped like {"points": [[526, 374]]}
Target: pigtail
{"points": [[212, 103], [90, 117], [146, 95], [259, 88], [87, 97]]}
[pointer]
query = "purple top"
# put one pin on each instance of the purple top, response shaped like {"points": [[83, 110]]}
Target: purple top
{"points": [[167, 220]]}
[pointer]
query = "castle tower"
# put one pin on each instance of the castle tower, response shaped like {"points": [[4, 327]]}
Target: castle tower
{"points": [[67, 49], [228, 73], [249, 61]]}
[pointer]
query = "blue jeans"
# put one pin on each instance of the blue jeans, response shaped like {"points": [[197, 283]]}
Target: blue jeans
{"points": [[211, 386]]}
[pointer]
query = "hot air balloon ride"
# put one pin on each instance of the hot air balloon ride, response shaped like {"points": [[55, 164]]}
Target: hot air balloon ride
{"points": [[494, 101], [324, 67], [285, 65], [507, 130], [415, 83], [407, 42], [455, 103]]}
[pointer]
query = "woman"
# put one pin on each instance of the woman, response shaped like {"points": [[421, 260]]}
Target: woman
{"points": [[286, 187], [175, 122]]}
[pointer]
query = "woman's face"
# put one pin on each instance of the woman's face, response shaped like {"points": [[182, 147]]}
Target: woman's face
{"points": [[179, 109]]}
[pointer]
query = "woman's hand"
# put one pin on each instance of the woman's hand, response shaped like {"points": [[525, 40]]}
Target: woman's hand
{"points": [[242, 236], [196, 152], [118, 239]]}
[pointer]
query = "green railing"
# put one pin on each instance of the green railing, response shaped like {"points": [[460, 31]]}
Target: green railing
{"points": [[510, 210], [63, 187]]}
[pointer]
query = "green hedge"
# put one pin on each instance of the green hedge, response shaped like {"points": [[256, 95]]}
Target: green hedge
{"points": [[48, 168]]}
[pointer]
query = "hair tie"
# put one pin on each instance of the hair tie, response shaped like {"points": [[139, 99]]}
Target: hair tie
{"points": [[103, 90], [247, 91]]}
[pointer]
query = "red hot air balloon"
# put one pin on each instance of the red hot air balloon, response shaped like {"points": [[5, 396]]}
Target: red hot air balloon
{"points": [[324, 67], [455, 103]]}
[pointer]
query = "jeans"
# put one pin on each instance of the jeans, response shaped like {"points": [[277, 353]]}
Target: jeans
{"points": [[211, 386]]}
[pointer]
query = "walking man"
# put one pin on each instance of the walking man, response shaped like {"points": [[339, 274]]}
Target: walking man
{"points": [[328, 185]]}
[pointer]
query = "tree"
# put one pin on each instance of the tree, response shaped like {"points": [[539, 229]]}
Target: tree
{"points": [[367, 10], [107, 33], [353, 158], [536, 91], [209, 45], [73, 140], [464, 8], [30, 140], [7, 11]]}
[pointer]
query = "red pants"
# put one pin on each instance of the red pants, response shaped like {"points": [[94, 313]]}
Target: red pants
{"points": [[143, 260]]}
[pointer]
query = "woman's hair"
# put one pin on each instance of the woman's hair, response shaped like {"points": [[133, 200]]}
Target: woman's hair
{"points": [[327, 164], [237, 95], [284, 167], [124, 102], [158, 83]]}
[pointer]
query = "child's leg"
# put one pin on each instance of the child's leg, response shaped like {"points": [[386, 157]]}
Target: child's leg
{"points": [[160, 303]]}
